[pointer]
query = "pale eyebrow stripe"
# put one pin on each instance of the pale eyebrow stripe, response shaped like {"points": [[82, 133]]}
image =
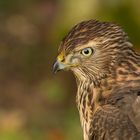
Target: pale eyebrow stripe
{"points": [[89, 44]]}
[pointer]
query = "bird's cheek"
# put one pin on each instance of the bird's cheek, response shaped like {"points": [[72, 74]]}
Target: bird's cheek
{"points": [[71, 60], [75, 62]]}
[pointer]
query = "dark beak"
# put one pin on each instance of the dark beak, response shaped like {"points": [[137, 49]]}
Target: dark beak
{"points": [[57, 66]]}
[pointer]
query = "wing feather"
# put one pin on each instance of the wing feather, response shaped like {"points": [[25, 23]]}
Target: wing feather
{"points": [[110, 123]]}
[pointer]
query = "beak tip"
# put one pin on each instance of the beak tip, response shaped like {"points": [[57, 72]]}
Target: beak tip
{"points": [[55, 67]]}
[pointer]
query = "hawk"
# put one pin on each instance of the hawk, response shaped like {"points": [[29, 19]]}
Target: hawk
{"points": [[107, 72]]}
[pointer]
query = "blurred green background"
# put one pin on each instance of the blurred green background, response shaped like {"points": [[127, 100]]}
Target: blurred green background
{"points": [[34, 103]]}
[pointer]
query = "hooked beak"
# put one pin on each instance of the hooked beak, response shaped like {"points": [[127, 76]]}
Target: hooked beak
{"points": [[57, 66]]}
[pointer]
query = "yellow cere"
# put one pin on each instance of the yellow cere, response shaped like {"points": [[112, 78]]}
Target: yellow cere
{"points": [[60, 57]]}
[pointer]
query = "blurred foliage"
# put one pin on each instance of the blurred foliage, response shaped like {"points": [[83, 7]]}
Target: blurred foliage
{"points": [[34, 103]]}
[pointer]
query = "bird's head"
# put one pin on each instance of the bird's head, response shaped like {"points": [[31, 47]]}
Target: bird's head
{"points": [[91, 49]]}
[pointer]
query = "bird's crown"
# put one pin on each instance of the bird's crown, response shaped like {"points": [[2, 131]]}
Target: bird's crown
{"points": [[92, 30]]}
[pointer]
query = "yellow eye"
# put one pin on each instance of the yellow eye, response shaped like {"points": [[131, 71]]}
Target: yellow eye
{"points": [[87, 51]]}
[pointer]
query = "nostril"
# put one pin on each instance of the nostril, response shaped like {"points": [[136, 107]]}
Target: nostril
{"points": [[60, 57], [63, 60]]}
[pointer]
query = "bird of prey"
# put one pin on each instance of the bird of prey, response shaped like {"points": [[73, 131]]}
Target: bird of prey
{"points": [[107, 71]]}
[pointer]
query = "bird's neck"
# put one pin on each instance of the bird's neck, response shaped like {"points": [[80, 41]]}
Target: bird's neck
{"points": [[125, 73], [125, 70]]}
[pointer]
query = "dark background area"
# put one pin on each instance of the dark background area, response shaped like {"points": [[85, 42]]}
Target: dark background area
{"points": [[35, 104]]}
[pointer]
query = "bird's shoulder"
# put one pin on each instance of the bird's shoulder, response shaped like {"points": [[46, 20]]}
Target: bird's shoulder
{"points": [[127, 99], [110, 123], [123, 95]]}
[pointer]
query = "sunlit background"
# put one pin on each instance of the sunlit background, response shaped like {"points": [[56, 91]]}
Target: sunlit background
{"points": [[34, 103]]}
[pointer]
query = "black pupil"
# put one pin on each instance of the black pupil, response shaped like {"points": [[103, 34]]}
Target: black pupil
{"points": [[86, 51]]}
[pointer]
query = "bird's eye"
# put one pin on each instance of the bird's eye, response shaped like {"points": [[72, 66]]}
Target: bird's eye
{"points": [[87, 51]]}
